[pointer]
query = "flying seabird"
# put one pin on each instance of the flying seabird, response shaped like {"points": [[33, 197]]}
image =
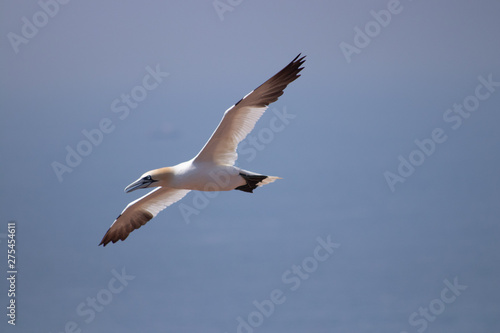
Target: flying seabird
{"points": [[213, 168]]}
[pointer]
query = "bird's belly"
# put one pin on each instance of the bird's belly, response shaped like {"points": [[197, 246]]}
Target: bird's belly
{"points": [[219, 178]]}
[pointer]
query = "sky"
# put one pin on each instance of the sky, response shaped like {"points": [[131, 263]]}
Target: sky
{"points": [[387, 216]]}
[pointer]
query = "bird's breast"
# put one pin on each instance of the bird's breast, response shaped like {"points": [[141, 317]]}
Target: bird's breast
{"points": [[207, 177]]}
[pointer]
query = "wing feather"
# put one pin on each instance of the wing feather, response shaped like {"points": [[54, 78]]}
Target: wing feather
{"points": [[240, 119], [139, 212]]}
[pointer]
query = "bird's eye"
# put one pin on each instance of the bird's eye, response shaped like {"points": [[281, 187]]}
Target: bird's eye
{"points": [[147, 177]]}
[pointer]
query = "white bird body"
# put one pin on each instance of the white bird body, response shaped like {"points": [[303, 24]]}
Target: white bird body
{"points": [[213, 168], [206, 176]]}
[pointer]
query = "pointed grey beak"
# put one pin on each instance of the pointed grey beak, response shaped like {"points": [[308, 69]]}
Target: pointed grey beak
{"points": [[140, 183]]}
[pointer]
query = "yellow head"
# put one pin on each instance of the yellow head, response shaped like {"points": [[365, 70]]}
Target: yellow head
{"points": [[153, 178]]}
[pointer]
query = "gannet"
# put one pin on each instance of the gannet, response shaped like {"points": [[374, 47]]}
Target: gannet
{"points": [[213, 168]]}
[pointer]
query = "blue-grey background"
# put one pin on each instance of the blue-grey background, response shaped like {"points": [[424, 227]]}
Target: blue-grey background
{"points": [[352, 121]]}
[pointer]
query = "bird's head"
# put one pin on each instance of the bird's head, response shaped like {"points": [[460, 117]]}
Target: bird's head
{"points": [[153, 178]]}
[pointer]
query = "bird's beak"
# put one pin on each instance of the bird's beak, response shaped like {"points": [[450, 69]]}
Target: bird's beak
{"points": [[140, 183]]}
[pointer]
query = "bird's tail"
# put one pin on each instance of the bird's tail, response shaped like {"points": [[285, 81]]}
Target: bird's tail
{"points": [[254, 181]]}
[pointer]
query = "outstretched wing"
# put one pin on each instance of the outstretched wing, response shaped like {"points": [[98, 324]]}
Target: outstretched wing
{"points": [[139, 212], [239, 120]]}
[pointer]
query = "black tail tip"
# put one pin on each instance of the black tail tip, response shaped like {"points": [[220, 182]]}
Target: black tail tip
{"points": [[252, 181]]}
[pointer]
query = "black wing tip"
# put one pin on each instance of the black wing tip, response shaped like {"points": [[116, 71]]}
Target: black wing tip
{"points": [[121, 233], [106, 239], [110, 239], [291, 71], [288, 74], [298, 61]]}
